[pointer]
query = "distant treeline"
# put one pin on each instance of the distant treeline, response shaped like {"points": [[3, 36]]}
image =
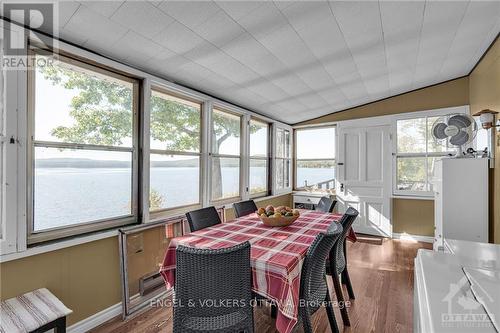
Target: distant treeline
{"points": [[85, 163]]}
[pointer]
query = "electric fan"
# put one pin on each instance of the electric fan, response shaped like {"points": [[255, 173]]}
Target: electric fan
{"points": [[456, 130]]}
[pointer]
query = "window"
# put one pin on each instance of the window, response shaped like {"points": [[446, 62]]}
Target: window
{"points": [[416, 155], [225, 155], [82, 151], [283, 159], [315, 158], [259, 142], [175, 137], [3, 139]]}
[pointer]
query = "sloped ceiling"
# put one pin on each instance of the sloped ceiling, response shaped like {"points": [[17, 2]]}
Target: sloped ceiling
{"points": [[292, 61]]}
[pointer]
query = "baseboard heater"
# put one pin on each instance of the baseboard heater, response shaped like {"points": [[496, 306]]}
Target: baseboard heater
{"points": [[150, 283]]}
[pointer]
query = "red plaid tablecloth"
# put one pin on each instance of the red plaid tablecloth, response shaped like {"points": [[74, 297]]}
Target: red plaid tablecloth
{"points": [[276, 255]]}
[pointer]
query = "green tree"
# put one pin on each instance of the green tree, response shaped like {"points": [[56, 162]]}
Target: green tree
{"points": [[102, 113]]}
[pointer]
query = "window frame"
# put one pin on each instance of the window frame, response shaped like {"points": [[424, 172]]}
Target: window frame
{"points": [[241, 158], [50, 234], [395, 154], [164, 211], [276, 158], [266, 158], [296, 159]]}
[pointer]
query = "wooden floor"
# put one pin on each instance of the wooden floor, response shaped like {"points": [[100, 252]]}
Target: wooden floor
{"points": [[382, 278]]}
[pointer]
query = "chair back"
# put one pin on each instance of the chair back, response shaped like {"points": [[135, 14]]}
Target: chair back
{"points": [[202, 218], [326, 204], [338, 250], [244, 208], [213, 290], [313, 286]]}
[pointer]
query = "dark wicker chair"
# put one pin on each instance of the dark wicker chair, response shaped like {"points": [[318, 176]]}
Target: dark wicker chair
{"points": [[313, 286], [337, 263], [244, 208], [326, 204], [215, 276], [202, 218]]}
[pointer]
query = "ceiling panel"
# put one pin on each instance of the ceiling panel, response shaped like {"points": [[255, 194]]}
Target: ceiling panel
{"points": [[290, 60]]}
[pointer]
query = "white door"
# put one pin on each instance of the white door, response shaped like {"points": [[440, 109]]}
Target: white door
{"points": [[364, 176]]}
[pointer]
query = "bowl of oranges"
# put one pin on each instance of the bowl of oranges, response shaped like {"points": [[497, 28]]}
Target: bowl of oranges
{"points": [[280, 216]]}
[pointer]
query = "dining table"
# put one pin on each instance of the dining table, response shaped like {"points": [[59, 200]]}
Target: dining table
{"points": [[276, 256]]}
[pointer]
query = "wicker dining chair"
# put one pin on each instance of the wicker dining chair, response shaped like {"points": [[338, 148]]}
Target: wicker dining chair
{"points": [[326, 205], [244, 208], [202, 218], [205, 280], [313, 286], [337, 263]]}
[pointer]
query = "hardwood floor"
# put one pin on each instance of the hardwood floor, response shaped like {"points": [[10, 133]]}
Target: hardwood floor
{"points": [[382, 278]]}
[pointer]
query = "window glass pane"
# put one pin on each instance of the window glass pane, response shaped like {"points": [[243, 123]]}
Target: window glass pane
{"points": [[174, 181], [258, 176], [258, 138], [73, 104], [482, 138], [225, 178], [175, 123], [2, 182], [411, 173], [79, 186], [287, 148], [318, 174], [280, 175], [411, 135], [280, 143], [226, 133], [286, 171], [316, 143]]}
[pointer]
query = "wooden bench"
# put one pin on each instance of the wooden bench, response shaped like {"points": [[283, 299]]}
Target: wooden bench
{"points": [[34, 312]]}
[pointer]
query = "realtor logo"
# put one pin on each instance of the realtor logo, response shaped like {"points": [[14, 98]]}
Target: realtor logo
{"points": [[464, 311], [23, 25], [35, 16]]}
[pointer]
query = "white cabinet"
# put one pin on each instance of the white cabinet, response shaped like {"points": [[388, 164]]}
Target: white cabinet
{"points": [[461, 200], [308, 200]]}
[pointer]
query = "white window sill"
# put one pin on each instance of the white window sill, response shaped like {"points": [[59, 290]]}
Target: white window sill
{"points": [[412, 197], [58, 245]]}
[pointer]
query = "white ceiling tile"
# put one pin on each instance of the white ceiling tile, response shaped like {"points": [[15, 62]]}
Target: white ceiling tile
{"points": [[142, 48], [302, 14], [482, 18], [142, 17], [441, 22], [104, 8], [190, 13], [191, 73], [101, 33], [401, 23], [166, 62], [362, 28], [219, 29], [239, 9], [66, 10], [155, 3], [178, 38], [263, 20]]}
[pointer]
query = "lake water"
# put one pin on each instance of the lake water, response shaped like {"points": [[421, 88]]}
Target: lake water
{"points": [[65, 196]]}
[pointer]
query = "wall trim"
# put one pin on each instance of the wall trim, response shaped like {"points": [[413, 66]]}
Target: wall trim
{"points": [[77, 240], [95, 320], [417, 238]]}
